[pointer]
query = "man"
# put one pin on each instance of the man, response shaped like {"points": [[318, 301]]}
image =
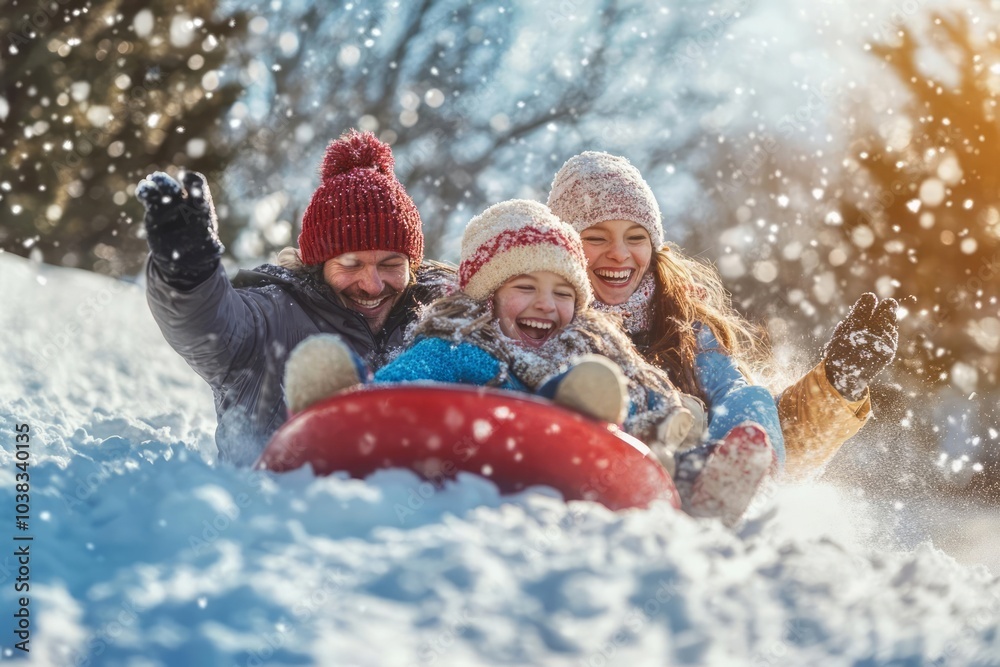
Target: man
{"points": [[358, 272]]}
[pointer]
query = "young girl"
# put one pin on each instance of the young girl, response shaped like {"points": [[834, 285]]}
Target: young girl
{"points": [[519, 321]]}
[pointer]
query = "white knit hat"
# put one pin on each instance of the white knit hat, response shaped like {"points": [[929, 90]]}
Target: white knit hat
{"points": [[516, 237], [596, 187]]}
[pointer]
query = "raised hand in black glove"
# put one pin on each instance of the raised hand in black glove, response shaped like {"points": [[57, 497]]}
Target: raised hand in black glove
{"points": [[862, 345], [181, 227]]}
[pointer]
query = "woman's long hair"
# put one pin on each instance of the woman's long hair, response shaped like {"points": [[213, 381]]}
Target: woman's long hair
{"points": [[688, 293]]}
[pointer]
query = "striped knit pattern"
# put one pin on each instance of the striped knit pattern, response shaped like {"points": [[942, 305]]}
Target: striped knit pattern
{"points": [[516, 237], [634, 312], [596, 187], [360, 205]]}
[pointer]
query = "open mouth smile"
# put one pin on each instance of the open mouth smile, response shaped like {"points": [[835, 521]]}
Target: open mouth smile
{"points": [[535, 331], [615, 277], [368, 304]]}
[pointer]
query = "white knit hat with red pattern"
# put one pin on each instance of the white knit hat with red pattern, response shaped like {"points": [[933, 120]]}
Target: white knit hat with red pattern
{"points": [[516, 237], [596, 187]]}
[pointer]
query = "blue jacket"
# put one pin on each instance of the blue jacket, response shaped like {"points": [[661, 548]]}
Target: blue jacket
{"points": [[439, 360], [730, 397]]}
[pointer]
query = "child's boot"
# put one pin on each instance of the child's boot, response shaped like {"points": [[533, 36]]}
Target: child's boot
{"points": [[680, 430], [669, 434], [719, 479], [319, 367], [594, 386]]}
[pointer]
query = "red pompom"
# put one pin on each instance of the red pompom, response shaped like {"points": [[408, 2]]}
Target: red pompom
{"points": [[356, 150]]}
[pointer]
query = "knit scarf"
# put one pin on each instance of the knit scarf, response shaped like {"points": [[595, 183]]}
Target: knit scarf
{"points": [[460, 318], [634, 311]]}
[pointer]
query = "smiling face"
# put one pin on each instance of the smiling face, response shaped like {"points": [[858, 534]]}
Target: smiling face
{"points": [[532, 307], [369, 282], [618, 256]]}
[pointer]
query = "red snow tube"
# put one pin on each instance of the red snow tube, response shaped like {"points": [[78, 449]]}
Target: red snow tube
{"points": [[514, 440]]}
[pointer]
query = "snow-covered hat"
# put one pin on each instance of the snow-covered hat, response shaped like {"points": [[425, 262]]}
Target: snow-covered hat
{"points": [[595, 187], [516, 237]]}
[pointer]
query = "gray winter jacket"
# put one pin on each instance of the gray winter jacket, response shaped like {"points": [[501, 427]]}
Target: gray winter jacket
{"points": [[237, 336]]}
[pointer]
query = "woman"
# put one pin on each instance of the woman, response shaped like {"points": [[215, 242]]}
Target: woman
{"points": [[680, 317]]}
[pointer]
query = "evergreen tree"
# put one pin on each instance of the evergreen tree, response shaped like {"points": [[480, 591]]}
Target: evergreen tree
{"points": [[94, 97]]}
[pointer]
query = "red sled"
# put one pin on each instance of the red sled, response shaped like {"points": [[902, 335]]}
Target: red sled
{"points": [[514, 440]]}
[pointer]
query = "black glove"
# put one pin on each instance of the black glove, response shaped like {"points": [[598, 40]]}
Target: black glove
{"points": [[862, 345], [181, 227]]}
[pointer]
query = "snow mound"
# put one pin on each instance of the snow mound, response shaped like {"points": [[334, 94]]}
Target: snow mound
{"points": [[146, 551]]}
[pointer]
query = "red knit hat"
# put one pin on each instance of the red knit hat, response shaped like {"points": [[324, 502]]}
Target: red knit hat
{"points": [[359, 205]]}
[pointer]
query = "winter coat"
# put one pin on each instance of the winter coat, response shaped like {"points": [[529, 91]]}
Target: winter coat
{"points": [[458, 340], [237, 336], [817, 420]]}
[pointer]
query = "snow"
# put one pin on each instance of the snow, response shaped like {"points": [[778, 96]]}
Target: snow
{"points": [[147, 552]]}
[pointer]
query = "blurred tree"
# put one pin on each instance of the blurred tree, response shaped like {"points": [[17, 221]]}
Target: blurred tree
{"points": [[910, 207], [481, 101], [924, 209], [95, 96]]}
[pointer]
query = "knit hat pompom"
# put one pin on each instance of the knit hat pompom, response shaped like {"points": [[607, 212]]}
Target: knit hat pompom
{"points": [[518, 237], [359, 205], [356, 150], [595, 187]]}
